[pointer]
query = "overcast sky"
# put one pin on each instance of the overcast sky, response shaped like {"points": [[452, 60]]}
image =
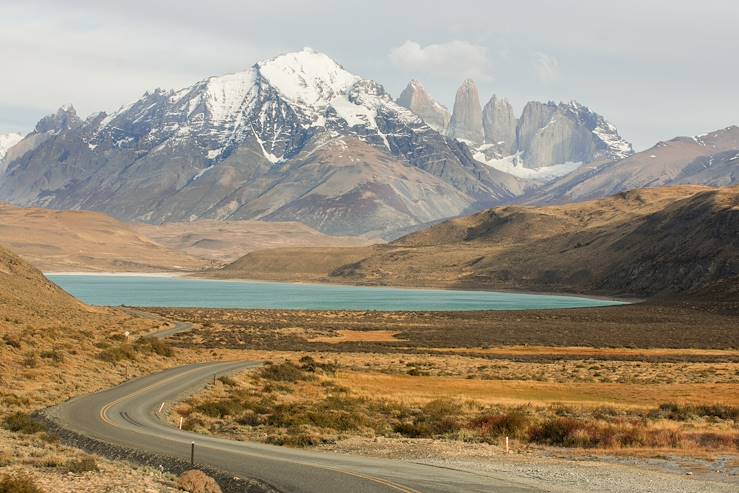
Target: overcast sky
{"points": [[654, 68]]}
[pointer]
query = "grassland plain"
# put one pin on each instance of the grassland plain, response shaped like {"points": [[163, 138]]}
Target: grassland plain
{"points": [[658, 381]]}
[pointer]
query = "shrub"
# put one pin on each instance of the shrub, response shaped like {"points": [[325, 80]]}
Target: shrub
{"points": [[555, 431], [11, 341], [678, 412], [513, 424], [309, 364], [154, 345], [21, 422], [54, 355], [78, 466], [219, 409], [117, 353], [284, 372], [18, 483], [226, 380], [295, 437], [31, 361], [438, 417], [198, 482]]}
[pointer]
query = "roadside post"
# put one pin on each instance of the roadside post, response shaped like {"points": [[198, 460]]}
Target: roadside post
{"points": [[192, 454], [507, 450]]}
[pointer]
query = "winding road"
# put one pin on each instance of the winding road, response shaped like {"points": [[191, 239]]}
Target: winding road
{"points": [[127, 416]]}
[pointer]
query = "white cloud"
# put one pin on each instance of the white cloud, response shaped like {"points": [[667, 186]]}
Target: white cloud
{"points": [[547, 67], [456, 58]]}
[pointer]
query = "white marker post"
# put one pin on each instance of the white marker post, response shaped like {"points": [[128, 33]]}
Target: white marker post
{"points": [[507, 450], [181, 418], [160, 408]]}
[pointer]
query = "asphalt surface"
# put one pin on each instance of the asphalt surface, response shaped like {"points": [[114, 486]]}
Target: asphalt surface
{"points": [[127, 416]]}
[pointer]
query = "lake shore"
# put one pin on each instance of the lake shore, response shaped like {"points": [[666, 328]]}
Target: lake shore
{"points": [[200, 277]]}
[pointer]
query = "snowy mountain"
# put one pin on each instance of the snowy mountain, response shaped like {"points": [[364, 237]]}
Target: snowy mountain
{"points": [[709, 159], [293, 137], [548, 139], [6, 142], [419, 101]]}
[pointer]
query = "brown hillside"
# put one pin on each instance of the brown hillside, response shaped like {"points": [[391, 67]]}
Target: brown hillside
{"points": [[50, 342], [226, 241], [638, 243], [85, 241], [292, 264]]}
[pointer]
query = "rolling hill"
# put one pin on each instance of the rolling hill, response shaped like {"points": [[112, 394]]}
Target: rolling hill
{"points": [[640, 243]]}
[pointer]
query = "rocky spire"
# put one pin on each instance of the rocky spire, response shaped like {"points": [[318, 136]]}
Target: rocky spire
{"points": [[499, 125], [466, 121], [418, 100], [64, 119]]}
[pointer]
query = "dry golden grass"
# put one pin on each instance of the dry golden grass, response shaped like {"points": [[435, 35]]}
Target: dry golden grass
{"points": [[88, 241], [226, 241], [426, 388], [356, 336]]}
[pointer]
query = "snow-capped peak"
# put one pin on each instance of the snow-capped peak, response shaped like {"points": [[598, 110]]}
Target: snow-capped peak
{"points": [[7, 141], [307, 77]]}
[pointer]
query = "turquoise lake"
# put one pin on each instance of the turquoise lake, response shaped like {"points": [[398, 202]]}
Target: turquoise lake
{"points": [[178, 292]]}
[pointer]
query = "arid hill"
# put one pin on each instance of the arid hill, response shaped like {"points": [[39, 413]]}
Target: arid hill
{"points": [[639, 243], [87, 241], [226, 241], [49, 341]]}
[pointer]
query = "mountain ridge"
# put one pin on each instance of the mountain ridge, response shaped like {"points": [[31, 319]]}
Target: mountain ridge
{"points": [[215, 149]]}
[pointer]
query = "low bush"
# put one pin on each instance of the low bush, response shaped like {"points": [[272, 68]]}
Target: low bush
{"points": [[219, 409], [309, 364], [115, 354], [54, 355], [11, 341], [438, 417], [31, 361], [18, 483], [21, 422], [284, 372], [686, 412], [78, 466], [226, 380], [555, 431], [513, 424], [196, 481], [153, 345]]}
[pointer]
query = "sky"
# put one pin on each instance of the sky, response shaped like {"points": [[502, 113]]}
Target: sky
{"points": [[655, 68]]}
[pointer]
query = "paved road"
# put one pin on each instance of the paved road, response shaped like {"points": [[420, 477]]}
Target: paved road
{"points": [[126, 416]]}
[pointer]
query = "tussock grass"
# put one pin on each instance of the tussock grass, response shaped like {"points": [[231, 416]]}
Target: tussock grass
{"points": [[18, 482]]}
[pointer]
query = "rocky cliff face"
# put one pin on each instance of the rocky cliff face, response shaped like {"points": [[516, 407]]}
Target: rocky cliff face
{"points": [[548, 139], [499, 126], [419, 101], [550, 133], [294, 137], [466, 121], [710, 159]]}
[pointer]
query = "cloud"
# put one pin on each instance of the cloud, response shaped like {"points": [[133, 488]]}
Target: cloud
{"points": [[547, 68], [456, 58]]}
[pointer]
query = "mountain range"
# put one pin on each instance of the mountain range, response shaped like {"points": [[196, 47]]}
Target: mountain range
{"points": [[296, 137], [546, 139], [299, 138]]}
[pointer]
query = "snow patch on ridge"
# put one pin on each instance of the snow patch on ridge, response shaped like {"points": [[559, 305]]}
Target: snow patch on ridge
{"points": [[513, 165], [7, 141]]}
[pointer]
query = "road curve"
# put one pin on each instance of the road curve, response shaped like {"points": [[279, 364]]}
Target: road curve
{"points": [[127, 416]]}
